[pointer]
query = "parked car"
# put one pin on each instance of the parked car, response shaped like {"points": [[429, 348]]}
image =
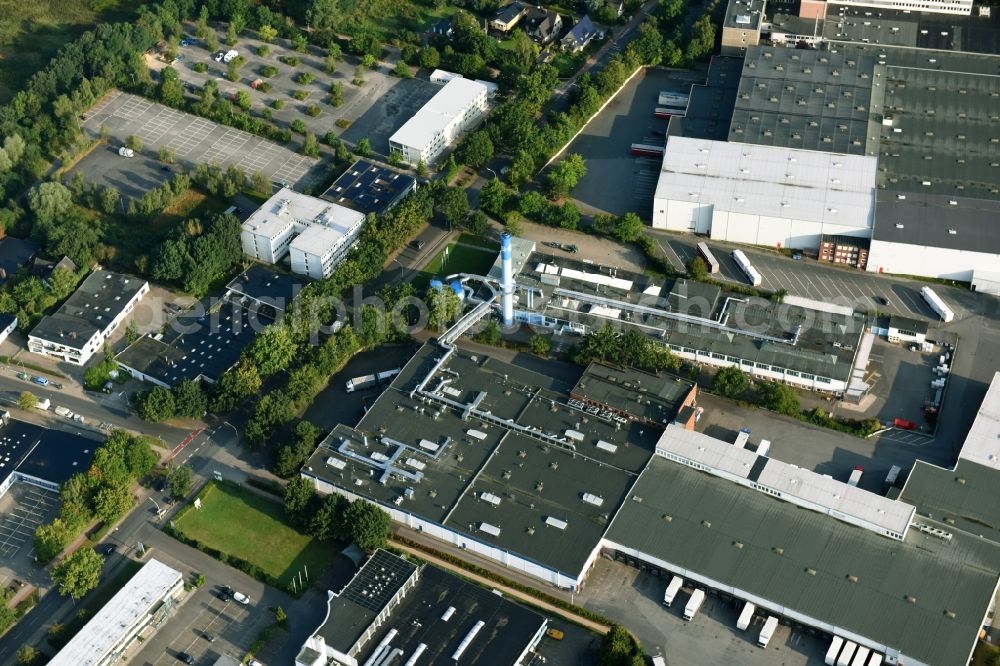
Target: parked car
{"points": [[23, 376], [108, 549], [225, 592], [418, 244], [185, 657], [241, 598], [797, 256], [41, 381], [208, 637]]}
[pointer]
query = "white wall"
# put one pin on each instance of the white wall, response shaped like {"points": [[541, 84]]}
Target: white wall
{"points": [[935, 6], [929, 261]]}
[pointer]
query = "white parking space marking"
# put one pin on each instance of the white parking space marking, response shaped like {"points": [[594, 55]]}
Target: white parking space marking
{"points": [[132, 108], [256, 159], [97, 108], [154, 128], [229, 143], [908, 300], [184, 141]]}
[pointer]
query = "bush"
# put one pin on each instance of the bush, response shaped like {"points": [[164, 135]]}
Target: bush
{"points": [[278, 104], [304, 78], [298, 125], [300, 94], [264, 87], [263, 50], [343, 123], [312, 110], [268, 71], [291, 61], [201, 67]]}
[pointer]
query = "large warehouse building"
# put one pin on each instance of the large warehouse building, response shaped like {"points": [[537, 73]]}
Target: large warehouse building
{"points": [[763, 195], [494, 460]]}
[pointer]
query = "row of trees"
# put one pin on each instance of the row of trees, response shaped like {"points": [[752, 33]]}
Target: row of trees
{"points": [[103, 492], [159, 404], [731, 382], [196, 255], [335, 517], [608, 344]]}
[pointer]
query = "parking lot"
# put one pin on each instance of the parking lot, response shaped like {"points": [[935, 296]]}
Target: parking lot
{"points": [[618, 182], [635, 598], [901, 383], [375, 110], [192, 139], [23, 508], [820, 281]]}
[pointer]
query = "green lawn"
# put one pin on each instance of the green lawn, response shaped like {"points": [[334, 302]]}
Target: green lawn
{"points": [[32, 32], [456, 259], [243, 524]]}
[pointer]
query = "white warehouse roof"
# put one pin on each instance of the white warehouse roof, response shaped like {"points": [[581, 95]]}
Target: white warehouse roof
{"points": [[793, 484], [438, 113], [982, 444], [109, 626], [769, 181]]}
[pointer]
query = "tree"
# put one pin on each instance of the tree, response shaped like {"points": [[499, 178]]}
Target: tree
{"points": [[491, 335], [541, 344], [299, 494], [513, 223], [619, 648], [697, 269], [323, 14], [454, 205], [443, 305], [49, 201], [110, 502], [310, 146], [730, 382], [179, 480], [267, 33], [190, 400], [429, 58], [79, 573], [476, 150], [134, 142], [171, 90], [27, 655], [628, 228], [402, 70], [780, 398], [243, 100], [327, 521], [493, 197], [50, 539], [600, 344], [565, 175], [477, 223], [363, 147], [272, 350], [521, 169], [367, 525], [156, 405], [27, 401], [165, 155]]}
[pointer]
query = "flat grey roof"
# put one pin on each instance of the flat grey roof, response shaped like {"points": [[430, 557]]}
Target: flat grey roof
{"points": [[446, 464], [802, 562], [352, 610], [814, 100], [924, 30], [744, 14], [937, 220], [710, 105], [98, 300], [642, 394]]}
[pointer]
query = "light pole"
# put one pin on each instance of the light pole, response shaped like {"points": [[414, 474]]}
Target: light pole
{"points": [[492, 172], [235, 431], [159, 511]]}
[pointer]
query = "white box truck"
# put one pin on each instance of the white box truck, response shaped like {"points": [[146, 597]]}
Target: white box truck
{"points": [[833, 651], [765, 634], [746, 616], [764, 447], [861, 658], [847, 654], [693, 604], [676, 583], [742, 438]]}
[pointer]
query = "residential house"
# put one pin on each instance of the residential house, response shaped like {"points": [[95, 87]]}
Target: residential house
{"points": [[582, 33], [509, 16], [442, 28], [543, 25], [14, 253]]}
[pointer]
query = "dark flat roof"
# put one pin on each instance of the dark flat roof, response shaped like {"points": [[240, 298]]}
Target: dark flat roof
{"points": [[267, 286], [972, 505], [853, 241], [924, 30], [370, 188], [642, 394], [930, 219], [907, 324], [352, 610], [506, 634], [899, 594], [51, 455], [710, 105]]}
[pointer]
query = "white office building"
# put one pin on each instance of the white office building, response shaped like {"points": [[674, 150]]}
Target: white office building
{"points": [[315, 233], [81, 325], [932, 6], [145, 602], [763, 195], [457, 107]]}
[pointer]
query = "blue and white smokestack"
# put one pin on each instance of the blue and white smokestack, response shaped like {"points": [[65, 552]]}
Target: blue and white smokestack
{"points": [[507, 280]]}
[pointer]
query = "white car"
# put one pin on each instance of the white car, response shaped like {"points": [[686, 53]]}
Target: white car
{"points": [[241, 598]]}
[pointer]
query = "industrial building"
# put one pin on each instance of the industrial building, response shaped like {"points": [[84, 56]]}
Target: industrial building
{"points": [[763, 195], [458, 107], [395, 610], [655, 400], [932, 6], [135, 611], [369, 188], [203, 342], [85, 321], [741, 25], [495, 460], [847, 250], [315, 234], [40, 456]]}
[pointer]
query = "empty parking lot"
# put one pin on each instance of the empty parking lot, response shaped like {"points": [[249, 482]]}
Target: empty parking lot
{"points": [[195, 140], [23, 508]]}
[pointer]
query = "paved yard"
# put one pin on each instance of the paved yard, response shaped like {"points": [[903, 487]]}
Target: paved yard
{"points": [[23, 508], [193, 140]]}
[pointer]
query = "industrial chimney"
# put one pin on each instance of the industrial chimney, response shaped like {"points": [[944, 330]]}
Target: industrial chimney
{"points": [[507, 280]]}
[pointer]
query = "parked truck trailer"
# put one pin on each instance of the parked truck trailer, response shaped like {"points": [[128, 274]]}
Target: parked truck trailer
{"points": [[673, 587], [937, 304], [746, 616], [767, 631], [693, 604], [747, 268]]}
